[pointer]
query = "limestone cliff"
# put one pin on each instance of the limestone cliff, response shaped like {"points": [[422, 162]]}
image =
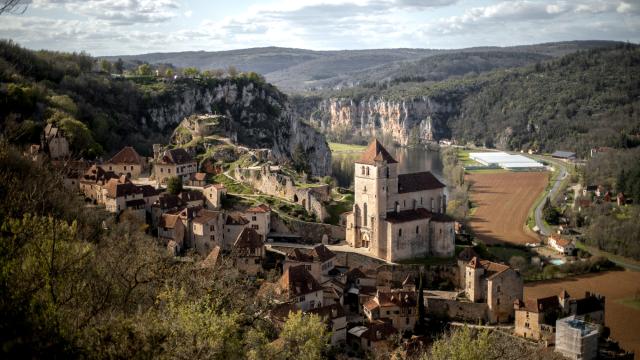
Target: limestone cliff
{"points": [[405, 121], [258, 114]]}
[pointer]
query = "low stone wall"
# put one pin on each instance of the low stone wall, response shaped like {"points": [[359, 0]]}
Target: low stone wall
{"points": [[434, 274], [310, 232], [282, 186], [456, 310]]}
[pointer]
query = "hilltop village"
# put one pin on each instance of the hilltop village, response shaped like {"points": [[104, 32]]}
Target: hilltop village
{"points": [[360, 275]]}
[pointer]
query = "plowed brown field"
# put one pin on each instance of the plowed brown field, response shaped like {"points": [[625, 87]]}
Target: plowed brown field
{"points": [[503, 201], [624, 321]]}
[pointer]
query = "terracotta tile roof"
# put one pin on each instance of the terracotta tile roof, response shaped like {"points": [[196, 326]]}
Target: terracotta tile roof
{"points": [[493, 269], [236, 218], [560, 241], [203, 216], [371, 305], [541, 304], [127, 155], [176, 156], [329, 312], [168, 221], [262, 208], [319, 253], [397, 298], [116, 189], [420, 181], [408, 215], [248, 239], [169, 201], [375, 152], [212, 259], [199, 176], [298, 281]]}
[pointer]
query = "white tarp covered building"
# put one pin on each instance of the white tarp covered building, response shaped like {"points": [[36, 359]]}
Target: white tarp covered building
{"points": [[505, 161]]}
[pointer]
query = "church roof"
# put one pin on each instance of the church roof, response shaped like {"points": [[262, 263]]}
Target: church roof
{"points": [[408, 215], [375, 152], [127, 155], [418, 182]]}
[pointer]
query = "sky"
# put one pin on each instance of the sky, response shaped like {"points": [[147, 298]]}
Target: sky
{"points": [[124, 27]]}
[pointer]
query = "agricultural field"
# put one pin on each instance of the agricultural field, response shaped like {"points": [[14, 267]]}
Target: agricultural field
{"points": [[621, 289], [501, 204]]}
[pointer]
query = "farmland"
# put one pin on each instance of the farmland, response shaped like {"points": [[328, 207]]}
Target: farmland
{"points": [[501, 205], [621, 289]]}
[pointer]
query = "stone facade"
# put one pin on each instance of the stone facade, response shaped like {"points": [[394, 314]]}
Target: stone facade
{"points": [[396, 216], [175, 162]]}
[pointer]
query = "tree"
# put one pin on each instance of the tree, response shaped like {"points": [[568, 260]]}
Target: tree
{"points": [[191, 72], [304, 336], [174, 185], [169, 73], [144, 70], [119, 66], [422, 313], [105, 66], [301, 159]]}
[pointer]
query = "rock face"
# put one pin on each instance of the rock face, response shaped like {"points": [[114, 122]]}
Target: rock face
{"points": [[406, 121], [259, 116]]}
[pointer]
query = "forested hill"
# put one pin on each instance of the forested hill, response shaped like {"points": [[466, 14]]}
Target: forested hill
{"points": [[101, 112], [575, 102]]}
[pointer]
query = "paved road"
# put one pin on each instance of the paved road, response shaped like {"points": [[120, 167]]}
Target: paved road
{"points": [[544, 229]]}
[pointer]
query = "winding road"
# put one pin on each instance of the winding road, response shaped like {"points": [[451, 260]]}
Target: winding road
{"points": [[542, 225]]}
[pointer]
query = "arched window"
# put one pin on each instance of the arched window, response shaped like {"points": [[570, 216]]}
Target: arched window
{"points": [[364, 214]]}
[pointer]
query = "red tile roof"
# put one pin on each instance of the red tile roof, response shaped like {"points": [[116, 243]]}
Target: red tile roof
{"points": [[420, 181], [298, 281], [116, 189], [236, 218], [375, 152], [541, 304], [127, 155], [262, 208], [319, 253], [203, 216]]}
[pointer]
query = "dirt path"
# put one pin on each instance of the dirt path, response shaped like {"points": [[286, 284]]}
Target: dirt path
{"points": [[623, 320], [502, 202]]}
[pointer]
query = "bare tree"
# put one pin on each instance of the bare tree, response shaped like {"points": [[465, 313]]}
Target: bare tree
{"points": [[13, 6]]}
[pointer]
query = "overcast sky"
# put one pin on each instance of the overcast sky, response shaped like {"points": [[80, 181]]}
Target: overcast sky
{"points": [[114, 27]]}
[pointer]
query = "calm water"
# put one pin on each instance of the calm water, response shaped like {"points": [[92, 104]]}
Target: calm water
{"points": [[410, 160]]}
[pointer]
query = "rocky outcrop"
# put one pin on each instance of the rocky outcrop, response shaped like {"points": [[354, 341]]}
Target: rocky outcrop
{"points": [[259, 116], [405, 121]]}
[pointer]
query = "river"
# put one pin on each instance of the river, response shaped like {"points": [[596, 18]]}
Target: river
{"points": [[413, 159]]}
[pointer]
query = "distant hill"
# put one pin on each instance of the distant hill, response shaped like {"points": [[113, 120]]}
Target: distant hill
{"points": [[298, 70]]}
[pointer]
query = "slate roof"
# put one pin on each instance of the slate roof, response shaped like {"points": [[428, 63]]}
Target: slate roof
{"points": [[375, 152], [148, 190], [169, 201], [248, 239], [298, 281], [203, 216], [563, 154], [329, 312], [408, 215], [127, 155], [236, 218], [176, 156], [319, 253], [419, 181], [191, 195]]}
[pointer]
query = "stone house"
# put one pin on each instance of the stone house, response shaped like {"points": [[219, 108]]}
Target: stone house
{"points": [[150, 196], [259, 219], [165, 203], [248, 252], [399, 307], [93, 181], [54, 142], [174, 162], [120, 195], [561, 244], [398, 216], [192, 198], [126, 162], [576, 338], [336, 319], [234, 223], [206, 230], [361, 287], [171, 233], [535, 318], [371, 338], [497, 285], [213, 194], [298, 286], [318, 261], [198, 179]]}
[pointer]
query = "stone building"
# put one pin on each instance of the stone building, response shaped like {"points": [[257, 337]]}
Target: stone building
{"points": [[259, 219], [175, 162], [54, 142], [318, 261], [213, 194], [398, 216], [576, 338], [396, 306], [126, 162], [298, 286], [206, 230], [497, 285], [248, 252]]}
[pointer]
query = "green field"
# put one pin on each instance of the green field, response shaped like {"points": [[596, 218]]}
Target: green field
{"points": [[338, 147], [633, 302]]}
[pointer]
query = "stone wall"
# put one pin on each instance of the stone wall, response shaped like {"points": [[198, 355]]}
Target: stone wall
{"points": [[282, 186], [455, 310], [310, 232], [434, 274]]}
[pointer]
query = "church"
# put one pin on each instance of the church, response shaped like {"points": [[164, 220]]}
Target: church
{"points": [[398, 216]]}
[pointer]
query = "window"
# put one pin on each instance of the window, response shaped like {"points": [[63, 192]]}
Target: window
{"points": [[388, 312], [161, 170], [407, 321], [212, 238], [301, 299], [212, 227], [498, 301], [112, 169], [362, 170], [364, 214], [498, 288], [255, 227], [417, 229], [169, 171], [367, 171], [253, 218], [399, 232], [387, 172], [432, 204]]}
